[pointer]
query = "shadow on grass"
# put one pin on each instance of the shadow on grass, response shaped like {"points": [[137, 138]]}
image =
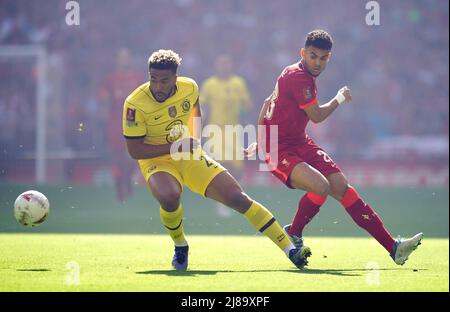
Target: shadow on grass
{"points": [[338, 272], [33, 270], [351, 272]]}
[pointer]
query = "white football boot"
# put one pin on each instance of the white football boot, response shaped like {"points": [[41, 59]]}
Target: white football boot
{"points": [[404, 247]]}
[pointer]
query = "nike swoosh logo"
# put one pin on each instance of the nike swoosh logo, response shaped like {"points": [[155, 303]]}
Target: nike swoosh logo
{"points": [[157, 117]]}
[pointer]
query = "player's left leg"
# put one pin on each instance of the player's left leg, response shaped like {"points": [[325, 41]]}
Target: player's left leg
{"points": [[205, 176], [367, 218], [225, 189], [361, 213], [222, 210], [228, 159]]}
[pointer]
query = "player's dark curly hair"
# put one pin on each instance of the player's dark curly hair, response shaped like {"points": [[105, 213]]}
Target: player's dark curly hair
{"points": [[164, 59], [320, 39]]}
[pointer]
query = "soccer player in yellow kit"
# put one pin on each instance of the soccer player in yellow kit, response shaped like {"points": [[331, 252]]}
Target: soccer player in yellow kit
{"points": [[225, 95], [155, 117]]}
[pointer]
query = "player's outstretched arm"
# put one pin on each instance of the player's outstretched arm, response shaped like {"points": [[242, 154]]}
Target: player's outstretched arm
{"points": [[318, 113]]}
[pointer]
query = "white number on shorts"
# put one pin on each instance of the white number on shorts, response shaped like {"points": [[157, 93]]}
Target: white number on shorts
{"points": [[325, 156]]}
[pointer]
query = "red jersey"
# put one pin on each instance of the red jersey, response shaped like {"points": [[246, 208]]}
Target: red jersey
{"points": [[295, 90]]}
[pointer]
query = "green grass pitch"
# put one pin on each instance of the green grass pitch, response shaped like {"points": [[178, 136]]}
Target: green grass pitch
{"points": [[50, 262]]}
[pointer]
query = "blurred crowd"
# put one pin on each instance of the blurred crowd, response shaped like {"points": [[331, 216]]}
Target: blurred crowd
{"points": [[398, 71]]}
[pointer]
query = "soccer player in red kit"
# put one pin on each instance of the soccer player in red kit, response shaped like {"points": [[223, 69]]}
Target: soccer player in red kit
{"points": [[301, 164], [113, 91]]}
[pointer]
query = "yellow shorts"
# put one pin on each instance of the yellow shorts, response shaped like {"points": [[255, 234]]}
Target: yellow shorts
{"points": [[196, 173]]}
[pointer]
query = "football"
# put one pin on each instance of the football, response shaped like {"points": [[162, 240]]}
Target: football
{"points": [[31, 208]]}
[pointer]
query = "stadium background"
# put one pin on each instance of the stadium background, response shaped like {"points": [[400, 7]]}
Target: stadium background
{"points": [[392, 141]]}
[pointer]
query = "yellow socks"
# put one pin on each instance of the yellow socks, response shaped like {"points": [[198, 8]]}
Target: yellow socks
{"points": [[257, 215], [173, 221], [265, 222]]}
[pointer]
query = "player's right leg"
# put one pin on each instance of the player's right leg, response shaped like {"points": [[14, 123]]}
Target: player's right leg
{"points": [[167, 191], [305, 177]]}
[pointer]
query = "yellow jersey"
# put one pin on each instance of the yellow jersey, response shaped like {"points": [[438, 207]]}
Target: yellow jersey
{"points": [[224, 98], [144, 117]]}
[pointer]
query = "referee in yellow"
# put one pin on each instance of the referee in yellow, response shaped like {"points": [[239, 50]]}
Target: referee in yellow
{"points": [[225, 95], [155, 120]]}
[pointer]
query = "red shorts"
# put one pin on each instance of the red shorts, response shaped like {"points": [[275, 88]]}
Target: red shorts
{"points": [[291, 155]]}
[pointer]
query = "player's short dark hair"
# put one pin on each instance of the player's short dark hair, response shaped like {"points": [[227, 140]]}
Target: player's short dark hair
{"points": [[320, 39], [164, 59]]}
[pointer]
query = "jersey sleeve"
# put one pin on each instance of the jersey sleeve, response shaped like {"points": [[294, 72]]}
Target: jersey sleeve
{"points": [[133, 122], [304, 92]]}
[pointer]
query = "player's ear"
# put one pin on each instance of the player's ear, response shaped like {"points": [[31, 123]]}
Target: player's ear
{"points": [[302, 53]]}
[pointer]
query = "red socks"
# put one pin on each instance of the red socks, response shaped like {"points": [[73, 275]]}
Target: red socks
{"points": [[308, 207], [365, 217], [361, 213]]}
